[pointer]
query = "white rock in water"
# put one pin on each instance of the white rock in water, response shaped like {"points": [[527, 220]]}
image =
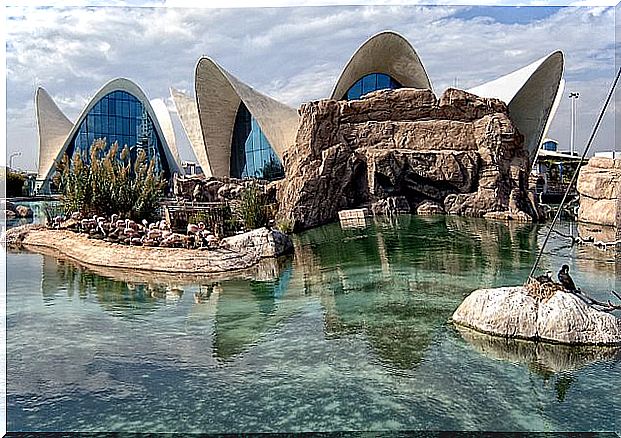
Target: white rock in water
{"points": [[267, 243], [511, 312]]}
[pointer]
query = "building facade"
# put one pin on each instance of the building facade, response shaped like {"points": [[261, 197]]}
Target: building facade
{"points": [[120, 113], [236, 131]]}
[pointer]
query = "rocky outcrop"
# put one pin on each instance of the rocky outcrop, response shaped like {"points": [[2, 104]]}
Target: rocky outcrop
{"points": [[513, 312], [599, 186], [461, 153], [238, 253], [266, 243]]}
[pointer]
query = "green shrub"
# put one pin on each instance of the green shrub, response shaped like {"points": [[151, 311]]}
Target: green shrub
{"points": [[254, 210], [107, 183], [14, 184]]}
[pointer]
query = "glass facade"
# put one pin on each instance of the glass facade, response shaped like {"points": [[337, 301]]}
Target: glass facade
{"points": [[251, 154], [120, 117], [549, 145], [371, 82]]}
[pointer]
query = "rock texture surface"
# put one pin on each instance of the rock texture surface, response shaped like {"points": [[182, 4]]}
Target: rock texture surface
{"points": [[264, 242], [459, 154], [91, 252], [599, 186], [512, 312]]}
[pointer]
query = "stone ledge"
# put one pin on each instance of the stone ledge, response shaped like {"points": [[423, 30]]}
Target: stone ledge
{"points": [[564, 318], [236, 253]]}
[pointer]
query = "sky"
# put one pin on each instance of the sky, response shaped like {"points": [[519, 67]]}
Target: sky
{"points": [[293, 53]]}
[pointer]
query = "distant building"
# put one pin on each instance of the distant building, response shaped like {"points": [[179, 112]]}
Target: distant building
{"points": [[609, 154], [119, 112], [236, 131], [191, 168]]}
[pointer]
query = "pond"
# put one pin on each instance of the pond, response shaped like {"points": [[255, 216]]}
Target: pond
{"points": [[351, 333]]}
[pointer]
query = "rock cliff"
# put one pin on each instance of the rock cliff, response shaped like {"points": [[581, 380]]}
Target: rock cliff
{"points": [[459, 154], [599, 186]]}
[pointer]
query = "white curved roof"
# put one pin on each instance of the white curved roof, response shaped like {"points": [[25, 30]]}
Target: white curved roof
{"points": [[53, 127], [119, 84], [163, 117], [188, 114], [218, 95], [532, 95], [386, 52]]}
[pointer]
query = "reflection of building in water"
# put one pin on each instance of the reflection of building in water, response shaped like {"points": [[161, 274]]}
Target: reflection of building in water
{"points": [[117, 297], [397, 283], [237, 313]]}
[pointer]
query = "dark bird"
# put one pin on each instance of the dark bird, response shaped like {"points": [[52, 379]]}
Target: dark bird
{"points": [[545, 278], [565, 279]]}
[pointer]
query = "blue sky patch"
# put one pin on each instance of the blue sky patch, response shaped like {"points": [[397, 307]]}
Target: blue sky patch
{"points": [[508, 14]]}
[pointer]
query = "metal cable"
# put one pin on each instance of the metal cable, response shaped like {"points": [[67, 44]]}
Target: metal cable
{"points": [[573, 179]]}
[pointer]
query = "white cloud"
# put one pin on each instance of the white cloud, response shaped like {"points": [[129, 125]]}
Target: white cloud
{"points": [[293, 54]]}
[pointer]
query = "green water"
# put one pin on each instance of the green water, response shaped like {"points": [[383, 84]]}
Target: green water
{"points": [[351, 333]]}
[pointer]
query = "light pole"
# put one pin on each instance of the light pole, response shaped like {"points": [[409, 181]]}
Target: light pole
{"points": [[13, 155], [574, 100]]}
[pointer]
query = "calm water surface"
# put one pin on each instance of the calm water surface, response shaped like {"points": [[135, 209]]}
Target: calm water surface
{"points": [[351, 333]]}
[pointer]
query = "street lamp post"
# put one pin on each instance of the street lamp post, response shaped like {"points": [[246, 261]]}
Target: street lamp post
{"points": [[574, 100], [13, 155]]}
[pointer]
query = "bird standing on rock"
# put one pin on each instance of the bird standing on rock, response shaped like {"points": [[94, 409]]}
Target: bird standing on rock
{"points": [[565, 279]]}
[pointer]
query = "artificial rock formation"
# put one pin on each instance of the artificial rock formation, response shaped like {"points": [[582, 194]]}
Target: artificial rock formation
{"points": [[599, 186], [513, 312], [460, 155]]}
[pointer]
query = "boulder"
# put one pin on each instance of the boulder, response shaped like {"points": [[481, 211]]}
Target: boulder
{"points": [[461, 153], [515, 312], [429, 207], [262, 242], [599, 187], [23, 211]]}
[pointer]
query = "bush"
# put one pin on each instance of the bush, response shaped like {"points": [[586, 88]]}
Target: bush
{"points": [[254, 209], [106, 183], [14, 184]]}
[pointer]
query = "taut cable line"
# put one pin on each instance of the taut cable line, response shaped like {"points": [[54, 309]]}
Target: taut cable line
{"points": [[573, 179]]}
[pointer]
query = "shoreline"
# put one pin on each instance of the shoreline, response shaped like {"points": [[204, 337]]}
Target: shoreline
{"points": [[93, 253]]}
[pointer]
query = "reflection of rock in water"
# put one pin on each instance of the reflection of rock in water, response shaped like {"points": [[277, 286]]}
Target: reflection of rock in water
{"points": [[541, 357], [247, 309], [597, 258], [117, 297], [397, 281]]}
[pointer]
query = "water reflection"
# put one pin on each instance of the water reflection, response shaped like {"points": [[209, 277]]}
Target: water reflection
{"points": [[123, 299], [551, 362], [398, 280], [543, 357], [235, 312], [350, 333]]}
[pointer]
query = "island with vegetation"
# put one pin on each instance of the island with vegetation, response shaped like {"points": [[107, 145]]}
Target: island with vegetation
{"points": [[111, 214]]}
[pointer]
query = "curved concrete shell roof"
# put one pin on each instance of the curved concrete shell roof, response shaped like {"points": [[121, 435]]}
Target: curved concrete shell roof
{"points": [[532, 94], [188, 114], [53, 127], [218, 95], [163, 117], [388, 53], [119, 84]]}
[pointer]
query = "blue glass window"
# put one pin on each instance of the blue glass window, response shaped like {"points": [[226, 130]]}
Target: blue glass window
{"points": [[119, 116], [369, 83], [252, 156]]}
